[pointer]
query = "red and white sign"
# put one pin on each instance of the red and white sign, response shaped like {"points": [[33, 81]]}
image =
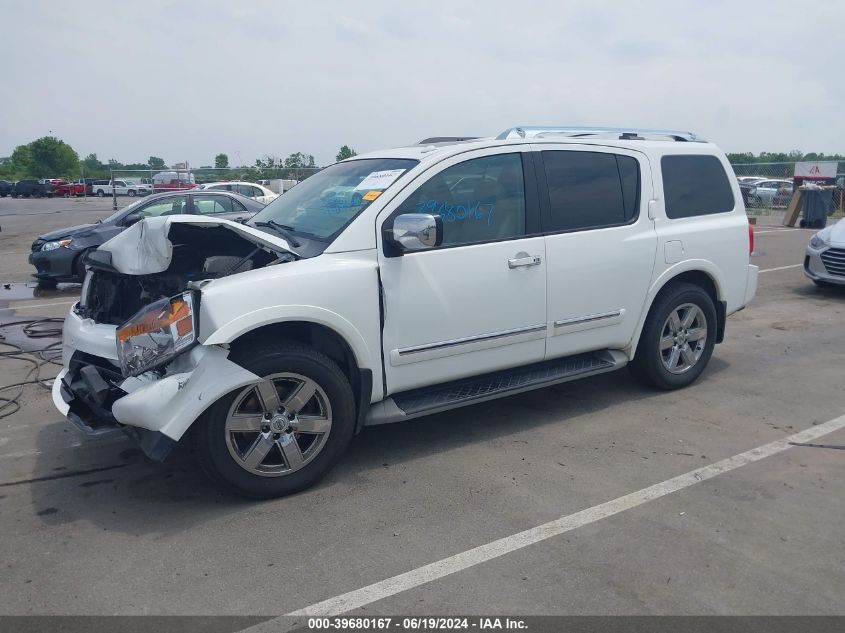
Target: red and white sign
{"points": [[815, 170]]}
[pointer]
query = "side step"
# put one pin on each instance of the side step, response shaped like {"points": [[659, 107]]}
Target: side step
{"points": [[458, 393]]}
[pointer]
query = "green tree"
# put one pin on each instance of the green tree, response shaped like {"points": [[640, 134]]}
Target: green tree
{"points": [[21, 159], [51, 157], [221, 161], [92, 164], [156, 163], [299, 159], [345, 152]]}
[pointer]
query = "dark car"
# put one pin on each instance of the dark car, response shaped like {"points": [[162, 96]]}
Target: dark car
{"points": [[5, 188], [58, 255], [32, 189]]}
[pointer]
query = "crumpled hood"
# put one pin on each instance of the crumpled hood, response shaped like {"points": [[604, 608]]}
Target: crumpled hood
{"points": [[68, 232], [144, 248]]}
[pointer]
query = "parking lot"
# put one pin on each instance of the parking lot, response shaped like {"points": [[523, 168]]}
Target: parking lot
{"points": [[91, 527]]}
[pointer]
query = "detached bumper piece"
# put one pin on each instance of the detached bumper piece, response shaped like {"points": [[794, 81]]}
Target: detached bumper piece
{"points": [[89, 388]]}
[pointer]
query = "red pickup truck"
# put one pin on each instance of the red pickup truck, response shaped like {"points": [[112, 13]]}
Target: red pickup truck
{"points": [[68, 189]]}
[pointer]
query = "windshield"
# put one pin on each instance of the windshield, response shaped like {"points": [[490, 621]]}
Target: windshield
{"points": [[321, 206]]}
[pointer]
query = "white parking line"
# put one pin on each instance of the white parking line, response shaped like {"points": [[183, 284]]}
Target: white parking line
{"points": [[434, 571], [40, 305], [771, 270]]}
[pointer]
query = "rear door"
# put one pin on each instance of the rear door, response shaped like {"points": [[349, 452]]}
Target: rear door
{"points": [[220, 206], [600, 244]]}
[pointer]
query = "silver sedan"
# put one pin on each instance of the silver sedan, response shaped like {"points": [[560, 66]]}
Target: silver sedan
{"points": [[824, 261]]}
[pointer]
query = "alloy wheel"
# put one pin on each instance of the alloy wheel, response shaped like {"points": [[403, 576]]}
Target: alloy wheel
{"points": [[278, 426], [683, 338]]}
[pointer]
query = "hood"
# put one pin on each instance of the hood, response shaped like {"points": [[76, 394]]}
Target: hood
{"points": [[834, 234], [68, 232], [144, 248]]}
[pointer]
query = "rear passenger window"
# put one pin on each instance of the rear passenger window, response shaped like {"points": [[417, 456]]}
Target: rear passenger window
{"points": [[695, 185], [590, 190], [480, 200]]}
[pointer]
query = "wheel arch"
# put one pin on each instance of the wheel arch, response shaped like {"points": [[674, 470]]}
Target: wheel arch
{"points": [[702, 274]]}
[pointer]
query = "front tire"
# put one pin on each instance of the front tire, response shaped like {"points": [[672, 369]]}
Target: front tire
{"points": [[678, 338], [131, 193], [284, 434]]}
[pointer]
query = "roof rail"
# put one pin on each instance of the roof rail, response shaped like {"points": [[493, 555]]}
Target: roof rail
{"points": [[624, 133], [446, 139]]}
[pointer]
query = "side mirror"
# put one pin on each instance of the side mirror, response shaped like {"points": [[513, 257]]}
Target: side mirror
{"points": [[132, 218], [412, 232]]}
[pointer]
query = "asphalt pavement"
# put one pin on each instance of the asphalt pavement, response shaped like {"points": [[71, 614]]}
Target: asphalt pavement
{"points": [[90, 527]]}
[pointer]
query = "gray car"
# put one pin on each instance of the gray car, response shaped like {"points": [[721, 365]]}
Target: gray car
{"points": [[824, 261], [58, 255]]}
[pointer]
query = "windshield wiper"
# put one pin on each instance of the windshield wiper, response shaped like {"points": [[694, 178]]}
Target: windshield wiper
{"points": [[281, 229]]}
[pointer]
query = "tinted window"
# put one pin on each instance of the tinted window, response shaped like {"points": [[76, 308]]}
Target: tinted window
{"points": [[590, 189], [480, 200], [168, 206], [245, 190], [695, 185], [206, 205]]}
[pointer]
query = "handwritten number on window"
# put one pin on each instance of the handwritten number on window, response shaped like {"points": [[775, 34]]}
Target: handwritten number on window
{"points": [[477, 210]]}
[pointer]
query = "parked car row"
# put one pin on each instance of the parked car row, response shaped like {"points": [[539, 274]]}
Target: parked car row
{"points": [[56, 187]]}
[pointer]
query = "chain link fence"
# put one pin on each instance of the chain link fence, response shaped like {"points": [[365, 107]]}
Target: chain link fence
{"points": [[767, 188]]}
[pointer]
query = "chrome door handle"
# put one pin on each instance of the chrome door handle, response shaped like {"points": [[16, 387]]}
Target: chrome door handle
{"points": [[523, 259]]}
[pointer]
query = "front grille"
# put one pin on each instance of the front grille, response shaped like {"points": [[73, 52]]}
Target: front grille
{"points": [[37, 244], [834, 261]]}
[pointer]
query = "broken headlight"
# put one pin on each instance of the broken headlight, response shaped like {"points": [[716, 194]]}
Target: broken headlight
{"points": [[157, 333]]}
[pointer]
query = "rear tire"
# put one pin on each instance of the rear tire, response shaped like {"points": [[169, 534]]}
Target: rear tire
{"points": [[131, 193], [100, 193], [254, 440], [678, 338]]}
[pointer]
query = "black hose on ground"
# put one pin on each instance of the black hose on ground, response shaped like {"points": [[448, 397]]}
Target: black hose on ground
{"points": [[49, 355]]}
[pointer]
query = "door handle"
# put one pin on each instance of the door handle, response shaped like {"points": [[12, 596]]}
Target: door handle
{"points": [[523, 260]]}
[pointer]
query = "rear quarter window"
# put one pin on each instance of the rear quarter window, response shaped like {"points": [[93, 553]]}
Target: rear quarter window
{"points": [[695, 185]]}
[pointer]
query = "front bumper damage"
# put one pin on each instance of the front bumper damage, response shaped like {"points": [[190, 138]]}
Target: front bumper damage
{"points": [[155, 409]]}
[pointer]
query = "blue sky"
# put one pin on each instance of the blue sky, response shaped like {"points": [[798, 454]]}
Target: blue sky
{"points": [[188, 79]]}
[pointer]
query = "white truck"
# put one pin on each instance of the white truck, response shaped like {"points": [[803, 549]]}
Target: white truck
{"points": [[121, 188], [403, 283]]}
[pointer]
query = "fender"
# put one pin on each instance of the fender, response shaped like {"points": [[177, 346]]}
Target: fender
{"points": [[698, 265], [249, 321]]}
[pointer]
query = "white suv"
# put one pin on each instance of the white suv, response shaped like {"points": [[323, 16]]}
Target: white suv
{"points": [[403, 283]]}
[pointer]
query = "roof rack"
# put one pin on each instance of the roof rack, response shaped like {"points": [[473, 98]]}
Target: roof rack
{"points": [[624, 133], [446, 139]]}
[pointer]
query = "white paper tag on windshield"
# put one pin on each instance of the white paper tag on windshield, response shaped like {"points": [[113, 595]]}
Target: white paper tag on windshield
{"points": [[380, 179]]}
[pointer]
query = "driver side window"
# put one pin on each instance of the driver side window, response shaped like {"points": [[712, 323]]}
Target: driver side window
{"points": [[479, 200]]}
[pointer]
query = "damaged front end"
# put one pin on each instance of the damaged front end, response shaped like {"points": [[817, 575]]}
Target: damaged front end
{"points": [[132, 358]]}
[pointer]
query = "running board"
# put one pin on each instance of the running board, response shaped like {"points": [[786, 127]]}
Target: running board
{"points": [[459, 393]]}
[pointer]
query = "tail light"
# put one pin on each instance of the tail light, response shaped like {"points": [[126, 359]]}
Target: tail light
{"points": [[750, 238]]}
